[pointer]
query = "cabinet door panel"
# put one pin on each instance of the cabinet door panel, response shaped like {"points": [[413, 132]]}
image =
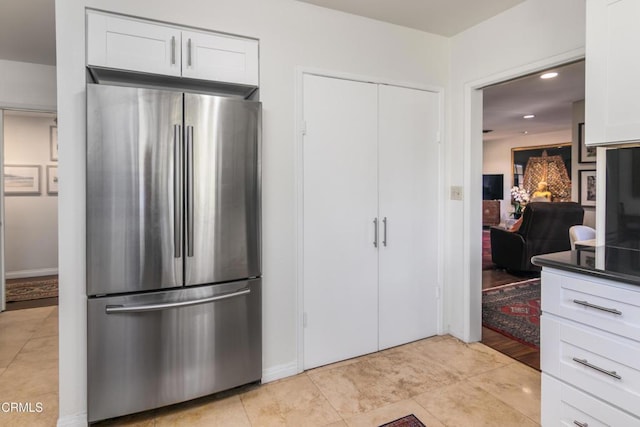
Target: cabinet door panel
{"points": [[409, 182], [340, 204], [129, 44], [220, 58], [612, 110]]}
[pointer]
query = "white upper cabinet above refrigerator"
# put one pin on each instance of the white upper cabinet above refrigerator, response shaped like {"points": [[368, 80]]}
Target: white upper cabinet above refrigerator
{"points": [[131, 44], [612, 105]]}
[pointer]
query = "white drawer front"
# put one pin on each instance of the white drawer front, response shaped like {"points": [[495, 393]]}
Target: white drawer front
{"points": [[567, 406], [601, 364], [611, 307]]}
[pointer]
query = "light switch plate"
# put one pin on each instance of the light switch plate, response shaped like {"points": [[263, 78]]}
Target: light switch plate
{"points": [[456, 192]]}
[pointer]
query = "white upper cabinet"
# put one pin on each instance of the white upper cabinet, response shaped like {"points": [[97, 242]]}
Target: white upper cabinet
{"points": [[135, 45], [612, 112], [208, 56]]}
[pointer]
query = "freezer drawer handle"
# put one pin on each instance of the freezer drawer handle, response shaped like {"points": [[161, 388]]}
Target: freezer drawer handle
{"points": [[598, 307], [112, 309], [597, 368]]}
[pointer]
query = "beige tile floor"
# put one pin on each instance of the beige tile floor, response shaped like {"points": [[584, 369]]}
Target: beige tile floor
{"points": [[441, 380]]}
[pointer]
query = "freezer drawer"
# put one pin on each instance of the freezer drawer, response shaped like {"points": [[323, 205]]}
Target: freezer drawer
{"points": [[155, 349]]}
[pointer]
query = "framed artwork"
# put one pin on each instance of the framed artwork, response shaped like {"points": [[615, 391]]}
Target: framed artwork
{"points": [[588, 188], [53, 143], [22, 180], [587, 154], [52, 180]]}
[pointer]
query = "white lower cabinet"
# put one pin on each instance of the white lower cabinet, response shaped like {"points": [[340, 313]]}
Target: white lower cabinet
{"points": [[564, 405], [590, 354], [370, 234]]}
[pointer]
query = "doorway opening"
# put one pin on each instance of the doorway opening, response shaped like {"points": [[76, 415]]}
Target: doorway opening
{"points": [[530, 129], [30, 209]]}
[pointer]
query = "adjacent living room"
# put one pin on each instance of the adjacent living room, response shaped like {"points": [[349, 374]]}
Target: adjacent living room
{"points": [[534, 162]]}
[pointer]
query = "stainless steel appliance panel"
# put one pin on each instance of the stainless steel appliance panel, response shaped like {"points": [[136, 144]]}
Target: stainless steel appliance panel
{"points": [[160, 348], [222, 152], [134, 200]]}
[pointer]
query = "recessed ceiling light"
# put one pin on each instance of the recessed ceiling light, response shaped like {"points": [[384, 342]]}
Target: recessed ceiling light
{"points": [[528, 116], [549, 75], [524, 132]]}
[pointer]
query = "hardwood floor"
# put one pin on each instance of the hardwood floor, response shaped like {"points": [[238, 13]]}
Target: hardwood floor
{"points": [[521, 352]]}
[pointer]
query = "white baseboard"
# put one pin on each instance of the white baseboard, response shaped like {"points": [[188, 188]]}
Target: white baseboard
{"points": [[31, 273], [77, 420], [279, 372]]}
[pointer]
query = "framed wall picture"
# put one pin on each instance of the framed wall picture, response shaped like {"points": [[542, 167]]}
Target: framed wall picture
{"points": [[52, 180], [588, 188], [587, 154], [53, 143], [21, 180]]}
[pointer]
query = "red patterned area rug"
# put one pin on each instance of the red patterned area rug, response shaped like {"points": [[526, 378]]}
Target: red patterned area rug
{"points": [[514, 311], [408, 421], [31, 288]]}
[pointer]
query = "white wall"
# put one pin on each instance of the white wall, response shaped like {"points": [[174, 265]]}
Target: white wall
{"points": [[31, 222], [291, 34], [532, 36], [497, 158], [27, 86]]}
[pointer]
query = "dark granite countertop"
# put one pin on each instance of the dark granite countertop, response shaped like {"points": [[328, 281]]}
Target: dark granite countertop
{"points": [[605, 262]]}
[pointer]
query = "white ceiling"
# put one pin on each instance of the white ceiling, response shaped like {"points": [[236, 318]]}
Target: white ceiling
{"points": [[444, 17], [27, 31], [550, 100]]}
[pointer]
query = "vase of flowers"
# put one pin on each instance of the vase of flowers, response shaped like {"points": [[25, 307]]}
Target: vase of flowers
{"points": [[520, 200]]}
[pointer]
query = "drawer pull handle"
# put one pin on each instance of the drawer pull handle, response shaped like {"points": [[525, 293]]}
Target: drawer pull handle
{"points": [[579, 424], [598, 307], [597, 368]]}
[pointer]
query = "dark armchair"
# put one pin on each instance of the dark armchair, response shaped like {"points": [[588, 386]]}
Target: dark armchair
{"points": [[544, 229]]}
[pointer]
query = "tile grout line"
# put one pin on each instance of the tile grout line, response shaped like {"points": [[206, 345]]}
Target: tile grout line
{"points": [[325, 397]]}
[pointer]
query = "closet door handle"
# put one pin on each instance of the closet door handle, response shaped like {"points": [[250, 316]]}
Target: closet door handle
{"points": [[375, 232], [579, 424], [384, 234]]}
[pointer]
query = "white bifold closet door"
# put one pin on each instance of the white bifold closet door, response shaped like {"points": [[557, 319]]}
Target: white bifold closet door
{"points": [[408, 210], [371, 179], [340, 204]]}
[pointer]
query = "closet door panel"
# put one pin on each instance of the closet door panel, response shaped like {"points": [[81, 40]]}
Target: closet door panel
{"points": [[409, 181], [340, 204]]}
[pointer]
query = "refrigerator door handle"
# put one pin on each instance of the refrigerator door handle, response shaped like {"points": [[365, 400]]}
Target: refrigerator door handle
{"points": [[113, 309], [177, 191], [190, 172]]}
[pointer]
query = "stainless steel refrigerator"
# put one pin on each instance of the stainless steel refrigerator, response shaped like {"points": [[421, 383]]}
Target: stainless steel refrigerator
{"points": [[173, 247]]}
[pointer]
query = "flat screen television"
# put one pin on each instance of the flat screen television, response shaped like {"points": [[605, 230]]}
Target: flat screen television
{"points": [[622, 210], [492, 187]]}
